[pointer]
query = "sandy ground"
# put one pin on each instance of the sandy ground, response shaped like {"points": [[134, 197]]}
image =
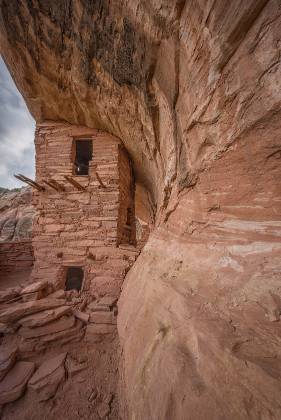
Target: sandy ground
{"points": [[73, 398]]}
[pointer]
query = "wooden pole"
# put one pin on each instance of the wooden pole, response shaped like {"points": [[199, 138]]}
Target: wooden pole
{"points": [[50, 185], [74, 183], [99, 179], [97, 176], [54, 182], [30, 182]]}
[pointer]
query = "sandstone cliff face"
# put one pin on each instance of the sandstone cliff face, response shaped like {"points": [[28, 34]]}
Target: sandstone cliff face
{"points": [[193, 90]]}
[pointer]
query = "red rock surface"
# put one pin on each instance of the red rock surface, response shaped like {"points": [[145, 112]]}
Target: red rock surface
{"points": [[48, 377], [14, 383], [192, 88]]}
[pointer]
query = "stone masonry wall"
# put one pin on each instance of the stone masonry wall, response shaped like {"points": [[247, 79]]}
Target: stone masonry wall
{"points": [[80, 228], [15, 256]]}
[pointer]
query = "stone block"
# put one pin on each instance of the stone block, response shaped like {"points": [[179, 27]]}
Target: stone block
{"points": [[8, 356], [62, 324], [19, 310], [48, 377], [42, 318], [14, 383], [103, 317], [94, 332], [35, 287], [82, 316]]}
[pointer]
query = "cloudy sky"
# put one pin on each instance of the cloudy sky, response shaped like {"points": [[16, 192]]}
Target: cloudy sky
{"points": [[16, 133]]}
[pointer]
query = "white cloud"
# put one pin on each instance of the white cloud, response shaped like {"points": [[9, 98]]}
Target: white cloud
{"points": [[16, 133]]}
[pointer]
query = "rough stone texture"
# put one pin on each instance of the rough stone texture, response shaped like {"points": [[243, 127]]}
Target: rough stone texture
{"points": [[103, 318], [73, 226], [16, 215], [53, 327], [15, 257], [20, 310], [193, 90], [8, 356], [35, 287], [14, 383], [9, 294], [44, 317], [48, 377]]}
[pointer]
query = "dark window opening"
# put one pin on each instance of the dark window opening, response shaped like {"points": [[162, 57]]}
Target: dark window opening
{"points": [[83, 155], [74, 278]]}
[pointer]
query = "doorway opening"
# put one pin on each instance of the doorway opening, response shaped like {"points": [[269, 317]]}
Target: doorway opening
{"points": [[83, 153], [74, 278]]}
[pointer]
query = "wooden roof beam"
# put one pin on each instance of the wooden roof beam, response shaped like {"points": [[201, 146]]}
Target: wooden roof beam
{"points": [[74, 183], [54, 184], [98, 177], [30, 182], [51, 185]]}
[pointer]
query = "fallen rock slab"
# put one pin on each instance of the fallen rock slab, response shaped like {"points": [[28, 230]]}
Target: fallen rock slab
{"points": [[27, 297], [35, 287], [19, 310], [58, 294], [32, 346], [8, 356], [61, 324], [82, 316], [14, 383], [42, 318], [65, 335], [8, 294], [48, 377]]}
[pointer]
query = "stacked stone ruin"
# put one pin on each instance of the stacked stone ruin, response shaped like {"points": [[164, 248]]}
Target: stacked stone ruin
{"points": [[89, 225], [83, 222]]}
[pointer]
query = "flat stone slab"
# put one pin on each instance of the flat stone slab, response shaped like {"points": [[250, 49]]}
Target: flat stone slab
{"points": [[8, 356], [93, 306], [8, 294], [35, 287], [19, 310], [14, 383], [48, 377], [42, 318], [107, 301], [61, 324], [6, 329], [103, 318], [82, 316], [61, 336], [27, 297], [58, 294]]}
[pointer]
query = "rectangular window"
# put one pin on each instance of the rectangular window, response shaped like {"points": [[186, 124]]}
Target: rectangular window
{"points": [[74, 278], [83, 153]]}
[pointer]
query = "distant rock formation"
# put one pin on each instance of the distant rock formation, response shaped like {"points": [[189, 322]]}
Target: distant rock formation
{"points": [[16, 215]]}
